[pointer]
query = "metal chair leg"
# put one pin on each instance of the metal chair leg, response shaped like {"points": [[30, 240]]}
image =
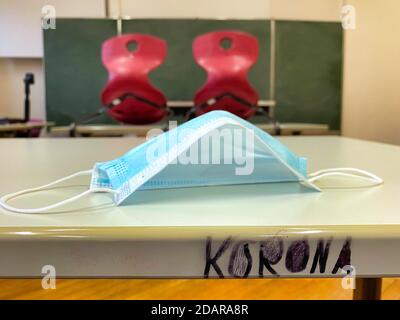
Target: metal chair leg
{"points": [[368, 289]]}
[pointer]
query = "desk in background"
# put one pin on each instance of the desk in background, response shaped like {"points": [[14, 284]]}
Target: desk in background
{"points": [[141, 131], [260, 230], [22, 129]]}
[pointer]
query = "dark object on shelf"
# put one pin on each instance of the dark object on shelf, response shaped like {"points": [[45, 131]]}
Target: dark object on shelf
{"points": [[28, 80]]}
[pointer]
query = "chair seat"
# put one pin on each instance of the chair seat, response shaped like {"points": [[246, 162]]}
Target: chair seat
{"points": [[129, 94], [227, 86]]}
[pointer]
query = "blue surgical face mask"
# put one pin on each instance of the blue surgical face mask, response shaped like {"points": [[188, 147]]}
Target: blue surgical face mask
{"points": [[217, 148]]}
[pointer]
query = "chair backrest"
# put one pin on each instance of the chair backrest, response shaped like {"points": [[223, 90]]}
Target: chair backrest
{"points": [[128, 91], [227, 56]]}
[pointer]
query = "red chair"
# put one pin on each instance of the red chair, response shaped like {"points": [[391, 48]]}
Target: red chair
{"points": [[130, 96], [227, 87]]}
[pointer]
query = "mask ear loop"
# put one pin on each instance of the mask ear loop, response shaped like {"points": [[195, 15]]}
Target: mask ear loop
{"points": [[346, 172], [8, 197]]}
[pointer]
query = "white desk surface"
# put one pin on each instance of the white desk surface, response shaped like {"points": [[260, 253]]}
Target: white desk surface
{"points": [[31, 162], [166, 233]]}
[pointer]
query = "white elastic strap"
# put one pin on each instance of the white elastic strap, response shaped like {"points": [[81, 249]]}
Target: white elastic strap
{"points": [[6, 198], [346, 172]]}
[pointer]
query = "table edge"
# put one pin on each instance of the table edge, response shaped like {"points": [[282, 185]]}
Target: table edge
{"points": [[180, 233]]}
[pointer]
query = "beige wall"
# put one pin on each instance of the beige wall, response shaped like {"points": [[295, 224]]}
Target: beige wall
{"points": [[313, 10], [371, 87], [20, 23], [21, 48], [191, 8]]}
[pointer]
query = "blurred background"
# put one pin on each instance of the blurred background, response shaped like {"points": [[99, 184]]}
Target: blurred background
{"points": [[316, 73], [327, 67]]}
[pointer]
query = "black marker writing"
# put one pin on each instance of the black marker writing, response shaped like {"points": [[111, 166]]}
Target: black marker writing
{"points": [[213, 261], [270, 253], [297, 256], [240, 262], [344, 256], [321, 255]]}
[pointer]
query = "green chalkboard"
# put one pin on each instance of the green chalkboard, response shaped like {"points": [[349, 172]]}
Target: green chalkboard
{"points": [[309, 72], [179, 77], [73, 70], [75, 75], [308, 65]]}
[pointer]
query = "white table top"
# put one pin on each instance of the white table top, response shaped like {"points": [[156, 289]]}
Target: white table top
{"points": [[31, 162]]}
